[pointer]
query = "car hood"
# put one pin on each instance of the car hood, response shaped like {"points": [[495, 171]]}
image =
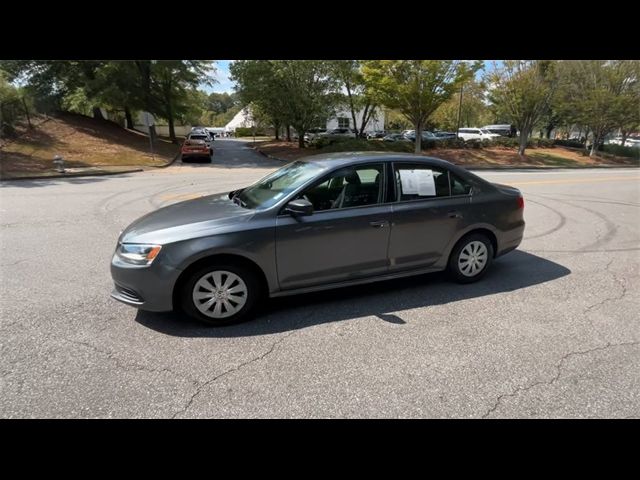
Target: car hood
{"points": [[192, 218]]}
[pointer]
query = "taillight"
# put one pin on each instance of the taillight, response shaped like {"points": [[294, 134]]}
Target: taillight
{"points": [[520, 201]]}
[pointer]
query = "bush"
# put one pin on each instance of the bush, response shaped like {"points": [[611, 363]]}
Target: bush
{"points": [[568, 143], [543, 142], [247, 132], [360, 145], [621, 151], [450, 143], [506, 142]]}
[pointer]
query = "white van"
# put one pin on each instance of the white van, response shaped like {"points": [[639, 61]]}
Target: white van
{"points": [[476, 134]]}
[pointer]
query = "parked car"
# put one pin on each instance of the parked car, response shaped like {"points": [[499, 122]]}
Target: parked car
{"points": [[376, 134], [340, 132], [319, 223], [426, 135], [476, 134], [502, 130], [445, 135], [202, 135], [312, 134], [629, 142], [395, 137], [196, 145]]}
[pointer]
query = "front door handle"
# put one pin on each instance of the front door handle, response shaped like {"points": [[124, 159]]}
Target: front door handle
{"points": [[454, 214], [379, 224]]}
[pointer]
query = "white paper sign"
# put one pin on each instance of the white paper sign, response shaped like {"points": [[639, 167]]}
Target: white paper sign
{"points": [[409, 181], [426, 184], [419, 182]]}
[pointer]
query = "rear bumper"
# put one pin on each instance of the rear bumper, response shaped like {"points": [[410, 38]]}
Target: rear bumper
{"points": [[195, 154], [510, 240]]}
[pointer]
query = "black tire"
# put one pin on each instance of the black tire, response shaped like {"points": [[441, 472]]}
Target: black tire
{"points": [[454, 266], [253, 287]]}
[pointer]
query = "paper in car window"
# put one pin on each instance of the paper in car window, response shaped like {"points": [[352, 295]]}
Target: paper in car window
{"points": [[409, 181], [418, 182], [426, 184]]}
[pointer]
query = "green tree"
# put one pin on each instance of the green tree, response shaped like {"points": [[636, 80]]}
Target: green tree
{"points": [[521, 91], [474, 111], [173, 85], [602, 95], [416, 88], [300, 93], [358, 98]]}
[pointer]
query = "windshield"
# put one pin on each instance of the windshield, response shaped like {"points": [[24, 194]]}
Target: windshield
{"points": [[273, 187], [485, 131]]}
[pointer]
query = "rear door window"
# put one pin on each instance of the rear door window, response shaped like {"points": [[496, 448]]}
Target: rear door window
{"points": [[420, 182]]}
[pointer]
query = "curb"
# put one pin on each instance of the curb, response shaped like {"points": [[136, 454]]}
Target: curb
{"points": [[269, 156], [71, 175], [175, 158]]}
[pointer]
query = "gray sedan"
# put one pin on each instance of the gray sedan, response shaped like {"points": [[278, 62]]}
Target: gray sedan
{"points": [[325, 222]]}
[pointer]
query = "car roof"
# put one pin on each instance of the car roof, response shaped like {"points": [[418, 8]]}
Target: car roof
{"points": [[338, 159]]}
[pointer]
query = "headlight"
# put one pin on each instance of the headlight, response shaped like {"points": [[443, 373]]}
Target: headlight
{"points": [[137, 254]]}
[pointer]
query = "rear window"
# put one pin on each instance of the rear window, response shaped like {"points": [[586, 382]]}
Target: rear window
{"points": [[198, 137]]}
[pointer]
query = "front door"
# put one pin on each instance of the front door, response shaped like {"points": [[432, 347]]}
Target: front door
{"points": [[345, 238]]}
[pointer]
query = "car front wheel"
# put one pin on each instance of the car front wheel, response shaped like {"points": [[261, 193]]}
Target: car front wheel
{"points": [[471, 258], [220, 295]]}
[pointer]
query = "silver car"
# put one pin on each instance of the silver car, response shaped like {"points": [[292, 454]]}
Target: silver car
{"points": [[325, 222]]}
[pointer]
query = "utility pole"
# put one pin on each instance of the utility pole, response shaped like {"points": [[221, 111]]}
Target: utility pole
{"points": [[459, 111]]}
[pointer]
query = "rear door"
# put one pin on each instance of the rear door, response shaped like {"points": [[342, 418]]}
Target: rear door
{"points": [[427, 213]]}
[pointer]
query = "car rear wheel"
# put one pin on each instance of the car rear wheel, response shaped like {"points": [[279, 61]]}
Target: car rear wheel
{"points": [[220, 295], [471, 258]]}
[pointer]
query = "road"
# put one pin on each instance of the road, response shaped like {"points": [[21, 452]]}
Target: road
{"points": [[552, 330]]}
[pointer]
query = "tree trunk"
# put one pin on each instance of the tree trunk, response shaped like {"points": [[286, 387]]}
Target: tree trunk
{"points": [[353, 111], [594, 145], [288, 133], [300, 138], [172, 130], [624, 137], [366, 116], [26, 111], [548, 131], [418, 128], [524, 136], [97, 113], [276, 128], [128, 118]]}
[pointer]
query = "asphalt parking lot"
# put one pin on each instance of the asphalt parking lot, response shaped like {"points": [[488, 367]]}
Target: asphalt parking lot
{"points": [[552, 331]]}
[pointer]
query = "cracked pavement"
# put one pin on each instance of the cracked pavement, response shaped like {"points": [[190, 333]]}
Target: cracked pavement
{"points": [[551, 332]]}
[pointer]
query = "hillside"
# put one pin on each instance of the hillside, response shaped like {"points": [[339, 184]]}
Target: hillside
{"points": [[82, 141]]}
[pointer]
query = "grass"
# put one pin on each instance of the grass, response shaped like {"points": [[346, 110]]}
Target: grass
{"points": [[470, 157], [82, 142]]}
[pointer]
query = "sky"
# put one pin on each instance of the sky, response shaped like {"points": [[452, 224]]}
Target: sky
{"points": [[226, 85]]}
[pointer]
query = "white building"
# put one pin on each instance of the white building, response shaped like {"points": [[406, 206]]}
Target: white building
{"points": [[242, 119], [342, 119]]}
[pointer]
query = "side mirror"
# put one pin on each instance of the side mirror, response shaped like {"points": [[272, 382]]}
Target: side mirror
{"points": [[233, 193], [300, 207]]}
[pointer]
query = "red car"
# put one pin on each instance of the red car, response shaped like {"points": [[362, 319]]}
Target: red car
{"points": [[196, 146]]}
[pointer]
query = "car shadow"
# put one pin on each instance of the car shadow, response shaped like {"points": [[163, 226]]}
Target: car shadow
{"points": [[384, 300]]}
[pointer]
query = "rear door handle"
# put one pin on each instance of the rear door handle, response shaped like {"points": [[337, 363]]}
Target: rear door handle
{"points": [[379, 224], [454, 214]]}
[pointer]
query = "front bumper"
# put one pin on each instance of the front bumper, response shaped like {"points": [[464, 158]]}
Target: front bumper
{"points": [[144, 287]]}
